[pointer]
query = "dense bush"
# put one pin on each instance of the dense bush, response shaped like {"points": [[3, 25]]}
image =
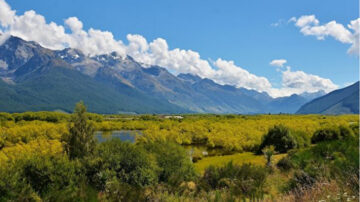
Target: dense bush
{"points": [[34, 167], [148, 117], [331, 133], [95, 117], [245, 180], [327, 160], [345, 131], [39, 146], [31, 131], [5, 117], [173, 160], [284, 139], [325, 134], [50, 178], [122, 161], [301, 181], [355, 128], [41, 116], [115, 190], [285, 164], [243, 133]]}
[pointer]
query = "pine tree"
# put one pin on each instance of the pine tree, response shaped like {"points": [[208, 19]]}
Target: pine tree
{"points": [[80, 141]]}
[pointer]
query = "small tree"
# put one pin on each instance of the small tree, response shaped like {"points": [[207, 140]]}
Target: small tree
{"points": [[269, 151], [80, 141], [281, 137]]}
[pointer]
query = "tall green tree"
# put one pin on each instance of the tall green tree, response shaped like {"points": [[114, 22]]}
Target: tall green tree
{"points": [[80, 141]]}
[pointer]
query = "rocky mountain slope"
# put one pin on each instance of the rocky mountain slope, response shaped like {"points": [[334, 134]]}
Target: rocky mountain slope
{"points": [[36, 78]]}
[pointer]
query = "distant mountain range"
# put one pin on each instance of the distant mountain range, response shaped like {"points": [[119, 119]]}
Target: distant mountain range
{"points": [[342, 101], [35, 78]]}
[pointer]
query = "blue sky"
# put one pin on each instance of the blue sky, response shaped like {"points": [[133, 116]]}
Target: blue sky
{"points": [[240, 31]]}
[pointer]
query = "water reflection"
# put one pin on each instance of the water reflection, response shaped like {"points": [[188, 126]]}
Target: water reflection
{"points": [[196, 152], [123, 135]]}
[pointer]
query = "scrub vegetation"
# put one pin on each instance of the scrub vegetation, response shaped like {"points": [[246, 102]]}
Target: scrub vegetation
{"points": [[53, 156]]}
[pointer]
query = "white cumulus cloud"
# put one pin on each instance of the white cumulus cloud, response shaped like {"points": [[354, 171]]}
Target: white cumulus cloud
{"points": [[297, 82], [355, 26], [310, 26], [6, 14], [74, 24], [306, 20], [278, 62], [229, 73]]}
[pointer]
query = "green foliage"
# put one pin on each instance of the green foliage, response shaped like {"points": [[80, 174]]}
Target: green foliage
{"points": [[301, 181], [301, 138], [95, 117], [337, 160], [157, 168], [355, 128], [148, 117], [285, 164], [173, 160], [325, 134], [268, 151], [227, 135], [51, 178], [5, 117], [41, 116], [246, 180], [122, 161], [238, 159], [39, 146], [80, 141], [331, 133], [115, 190], [24, 133], [283, 139], [236, 134]]}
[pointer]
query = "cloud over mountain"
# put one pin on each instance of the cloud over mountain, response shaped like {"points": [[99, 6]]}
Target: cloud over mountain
{"points": [[299, 82]]}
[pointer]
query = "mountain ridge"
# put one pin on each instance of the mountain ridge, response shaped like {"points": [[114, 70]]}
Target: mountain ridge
{"points": [[341, 101], [148, 89]]}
